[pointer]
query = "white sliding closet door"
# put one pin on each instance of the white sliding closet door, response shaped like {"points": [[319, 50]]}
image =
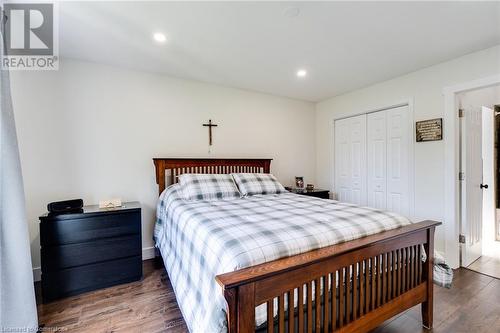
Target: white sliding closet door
{"points": [[399, 136], [350, 159], [372, 159], [343, 160], [377, 160]]}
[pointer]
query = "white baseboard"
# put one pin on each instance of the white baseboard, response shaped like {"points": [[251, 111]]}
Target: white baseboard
{"points": [[37, 273], [147, 253]]}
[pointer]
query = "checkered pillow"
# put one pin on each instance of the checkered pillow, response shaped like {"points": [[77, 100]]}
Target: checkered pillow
{"points": [[208, 187], [257, 183]]}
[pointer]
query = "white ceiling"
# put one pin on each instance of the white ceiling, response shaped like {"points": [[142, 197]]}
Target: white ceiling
{"points": [[254, 45]]}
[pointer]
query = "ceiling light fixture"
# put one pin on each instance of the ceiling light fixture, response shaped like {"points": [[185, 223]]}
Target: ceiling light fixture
{"points": [[301, 73], [159, 37], [291, 12]]}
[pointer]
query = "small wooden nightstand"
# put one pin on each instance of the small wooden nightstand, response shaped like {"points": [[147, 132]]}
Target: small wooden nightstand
{"points": [[86, 251], [317, 192]]}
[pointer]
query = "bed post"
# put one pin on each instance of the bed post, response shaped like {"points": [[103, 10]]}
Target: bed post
{"points": [[427, 306], [267, 166], [246, 308], [241, 303], [160, 174], [231, 296]]}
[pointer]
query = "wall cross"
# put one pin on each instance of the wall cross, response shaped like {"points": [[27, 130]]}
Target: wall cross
{"points": [[210, 125]]}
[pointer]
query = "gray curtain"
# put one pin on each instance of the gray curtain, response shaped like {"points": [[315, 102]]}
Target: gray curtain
{"points": [[17, 296]]}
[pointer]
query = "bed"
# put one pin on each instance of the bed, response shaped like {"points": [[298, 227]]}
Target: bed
{"points": [[285, 262]]}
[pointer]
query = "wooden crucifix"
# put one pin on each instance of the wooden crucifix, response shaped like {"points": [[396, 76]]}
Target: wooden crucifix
{"points": [[210, 125]]}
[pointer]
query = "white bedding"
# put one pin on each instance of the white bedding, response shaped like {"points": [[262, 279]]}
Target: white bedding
{"points": [[201, 239]]}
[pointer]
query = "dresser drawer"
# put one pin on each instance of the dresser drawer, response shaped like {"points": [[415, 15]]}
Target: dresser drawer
{"points": [[80, 279], [70, 255], [79, 230]]}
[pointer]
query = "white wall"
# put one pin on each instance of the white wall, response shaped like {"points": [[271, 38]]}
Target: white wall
{"points": [[90, 131], [480, 97], [425, 88]]}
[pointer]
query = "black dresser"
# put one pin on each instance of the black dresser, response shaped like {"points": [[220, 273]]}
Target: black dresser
{"points": [[86, 251]]}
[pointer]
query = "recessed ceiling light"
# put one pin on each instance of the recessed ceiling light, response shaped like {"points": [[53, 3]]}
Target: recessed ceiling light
{"points": [[301, 73], [291, 12], [159, 37]]}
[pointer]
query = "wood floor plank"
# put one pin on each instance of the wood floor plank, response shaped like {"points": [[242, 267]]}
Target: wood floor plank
{"points": [[143, 306], [486, 265], [471, 305]]}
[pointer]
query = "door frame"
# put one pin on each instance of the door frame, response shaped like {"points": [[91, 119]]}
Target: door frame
{"points": [[411, 172], [452, 166]]}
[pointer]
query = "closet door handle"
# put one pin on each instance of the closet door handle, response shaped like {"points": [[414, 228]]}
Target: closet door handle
{"points": [[483, 186]]}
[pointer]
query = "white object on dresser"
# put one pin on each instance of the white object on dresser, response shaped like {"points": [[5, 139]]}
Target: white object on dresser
{"points": [[112, 203]]}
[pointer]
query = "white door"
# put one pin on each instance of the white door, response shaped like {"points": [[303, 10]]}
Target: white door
{"points": [[377, 160], [399, 135], [343, 160], [389, 139], [489, 205], [350, 159], [358, 160], [472, 185]]}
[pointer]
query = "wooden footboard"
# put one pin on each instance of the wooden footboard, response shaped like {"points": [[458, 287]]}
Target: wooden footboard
{"points": [[364, 282]]}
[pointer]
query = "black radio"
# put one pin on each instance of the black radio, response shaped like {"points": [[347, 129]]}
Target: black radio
{"points": [[65, 207]]}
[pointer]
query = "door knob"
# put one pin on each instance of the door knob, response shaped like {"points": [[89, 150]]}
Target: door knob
{"points": [[483, 186]]}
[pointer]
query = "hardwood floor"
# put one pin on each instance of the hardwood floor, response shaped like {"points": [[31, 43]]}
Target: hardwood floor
{"points": [[486, 265], [143, 306], [471, 305]]}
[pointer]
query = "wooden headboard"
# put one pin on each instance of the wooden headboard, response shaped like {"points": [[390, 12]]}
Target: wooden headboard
{"points": [[173, 167]]}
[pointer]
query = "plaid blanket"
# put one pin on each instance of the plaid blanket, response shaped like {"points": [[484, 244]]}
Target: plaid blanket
{"points": [[201, 239]]}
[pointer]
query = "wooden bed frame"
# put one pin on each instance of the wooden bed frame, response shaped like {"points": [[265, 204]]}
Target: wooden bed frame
{"points": [[364, 282]]}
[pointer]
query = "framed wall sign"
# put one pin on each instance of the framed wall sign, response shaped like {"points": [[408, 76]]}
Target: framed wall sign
{"points": [[429, 130]]}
